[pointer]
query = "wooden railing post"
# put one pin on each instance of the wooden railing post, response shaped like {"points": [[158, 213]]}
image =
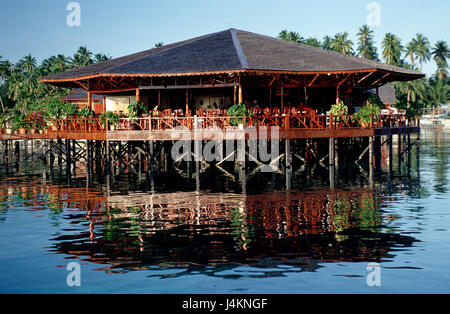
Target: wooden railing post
{"points": [[330, 122]]}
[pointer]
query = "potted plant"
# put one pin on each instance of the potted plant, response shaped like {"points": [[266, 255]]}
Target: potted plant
{"points": [[237, 112], [370, 112], [112, 119], [6, 122], [86, 113], [135, 109], [20, 124], [339, 109]]}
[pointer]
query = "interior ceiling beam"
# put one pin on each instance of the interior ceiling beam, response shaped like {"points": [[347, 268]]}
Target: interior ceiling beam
{"points": [[313, 80], [189, 86]]}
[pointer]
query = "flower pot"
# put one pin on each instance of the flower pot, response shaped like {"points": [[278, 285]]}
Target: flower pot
{"points": [[41, 131], [112, 128], [54, 128], [8, 131], [22, 131], [32, 131]]}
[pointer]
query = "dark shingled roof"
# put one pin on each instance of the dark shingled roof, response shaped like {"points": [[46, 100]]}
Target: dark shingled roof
{"points": [[227, 51], [81, 94]]}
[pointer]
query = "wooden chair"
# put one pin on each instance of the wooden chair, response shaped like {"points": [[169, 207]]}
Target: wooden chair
{"points": [[256, 111], [167, 113], [275, 111]]}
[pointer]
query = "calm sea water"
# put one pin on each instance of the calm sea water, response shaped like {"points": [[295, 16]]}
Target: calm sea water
{"points": [[270, 236]]}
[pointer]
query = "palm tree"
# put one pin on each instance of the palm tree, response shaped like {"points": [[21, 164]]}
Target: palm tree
{"points": [[423, 52], [439, 92], [159, 44], [290, 36], [77, 61], [28, 63], [84, 55], [100, 57], [342, 44], [392, 49], [314, 42], [61, 63], [366, 47], [440, 54], [326, 42], [15, 85], [410, 51]]}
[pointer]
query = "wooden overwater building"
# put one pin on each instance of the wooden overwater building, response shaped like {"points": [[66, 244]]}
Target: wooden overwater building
{"points": [[190, 83]]}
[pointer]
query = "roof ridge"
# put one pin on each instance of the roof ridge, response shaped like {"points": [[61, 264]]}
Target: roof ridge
{"points": [[239, 51]]}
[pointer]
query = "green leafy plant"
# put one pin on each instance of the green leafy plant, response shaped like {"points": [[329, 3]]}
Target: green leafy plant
{"points": [[86, 112], [339, 109], [135, 109], [19, 122], [111, 117], [237, 112], [59, 109], [367, 113]]}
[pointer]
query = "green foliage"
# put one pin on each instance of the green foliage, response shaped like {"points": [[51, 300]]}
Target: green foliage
{"points": [[56, 108], [237, 112], [368, 112], [19, 122], [111, 117], [339, 109], [135, 109], [86, 112], [21, 90]]}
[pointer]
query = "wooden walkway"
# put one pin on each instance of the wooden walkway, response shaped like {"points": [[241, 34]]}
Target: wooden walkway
{"points": [[172, 128]]}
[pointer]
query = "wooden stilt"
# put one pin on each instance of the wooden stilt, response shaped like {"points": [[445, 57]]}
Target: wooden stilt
{"points": [[287, 156], [331, 159], [68, 161]]}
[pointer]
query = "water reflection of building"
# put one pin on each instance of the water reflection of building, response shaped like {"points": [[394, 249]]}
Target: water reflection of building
{"points": [[202, 230], [210, 232]]}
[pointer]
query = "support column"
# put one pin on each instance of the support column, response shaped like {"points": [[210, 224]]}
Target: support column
{"points": [[377, 152], [371, 161], [338, 95], [287, 153], [187, 102], [138, 95], [89, 100], [241, 100], [390, 159], [88, 162], [331, 159], [108, 159], [371, 143], [68, 161]]}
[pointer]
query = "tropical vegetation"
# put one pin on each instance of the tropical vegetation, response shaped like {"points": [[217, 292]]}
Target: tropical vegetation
{"points": [[413, 95], [22, 94]]}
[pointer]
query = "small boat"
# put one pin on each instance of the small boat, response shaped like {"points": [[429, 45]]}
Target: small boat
{"points": [[432, 124]]}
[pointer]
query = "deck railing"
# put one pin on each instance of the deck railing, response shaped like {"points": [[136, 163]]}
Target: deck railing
{"points": [[284, 122]]}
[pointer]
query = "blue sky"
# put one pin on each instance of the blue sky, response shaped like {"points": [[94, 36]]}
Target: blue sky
{"points": [[122, 27]]}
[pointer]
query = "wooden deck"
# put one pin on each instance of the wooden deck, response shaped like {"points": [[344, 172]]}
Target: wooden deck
{"points": [[215, 127]]}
